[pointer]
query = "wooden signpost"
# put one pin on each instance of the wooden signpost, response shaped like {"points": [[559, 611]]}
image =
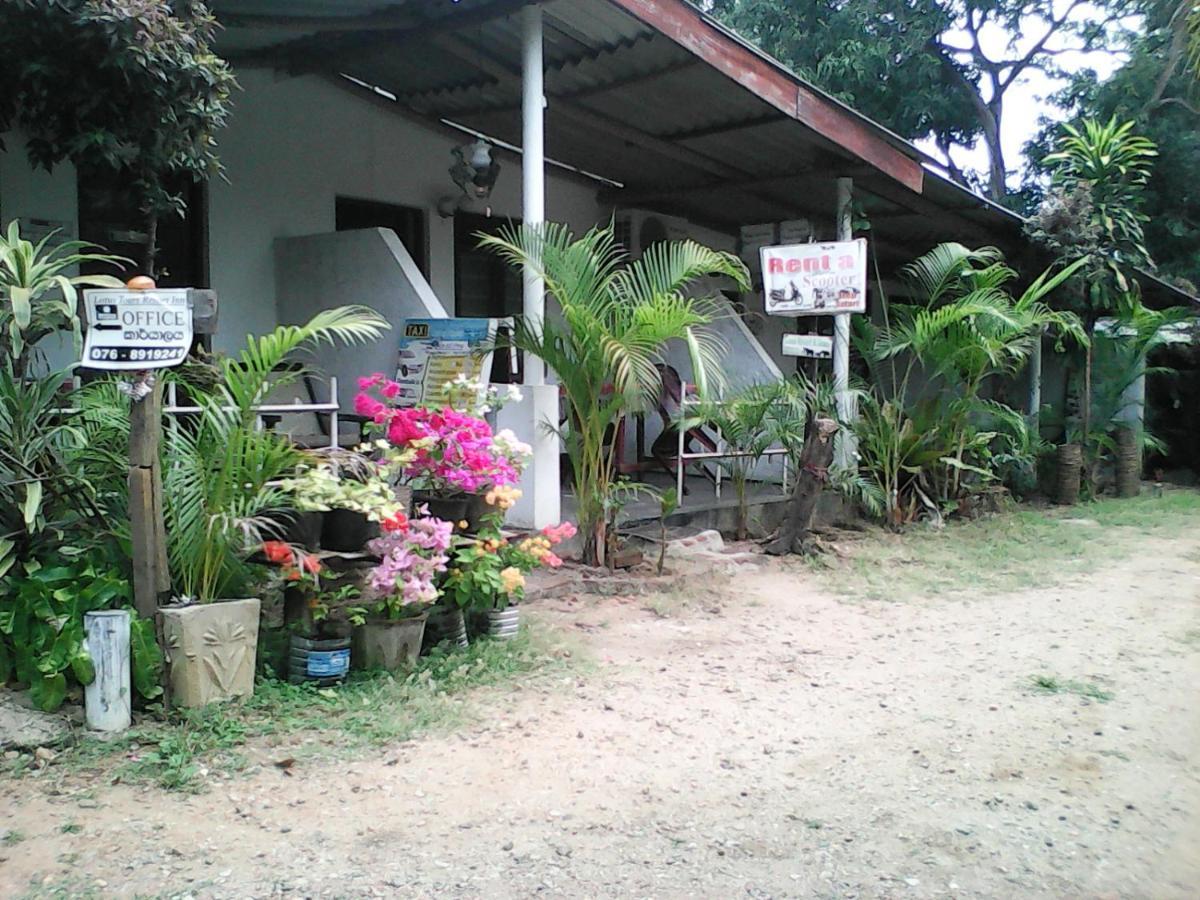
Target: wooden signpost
{"points": [[141, 332]]}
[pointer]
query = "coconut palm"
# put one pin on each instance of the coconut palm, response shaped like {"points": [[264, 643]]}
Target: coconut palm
{"points": [[615, 321]]}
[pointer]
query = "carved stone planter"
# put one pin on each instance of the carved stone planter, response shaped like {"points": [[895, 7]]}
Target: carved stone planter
{"points": [[210, 650], [392, 644]]}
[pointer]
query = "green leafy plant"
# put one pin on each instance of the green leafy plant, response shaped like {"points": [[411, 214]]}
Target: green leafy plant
{"points": [[616, 320], [38, 294], [41, 626], [966, 329]]}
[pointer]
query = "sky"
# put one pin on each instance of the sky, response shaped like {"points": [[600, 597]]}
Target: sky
{"points": [[1026, 102]]}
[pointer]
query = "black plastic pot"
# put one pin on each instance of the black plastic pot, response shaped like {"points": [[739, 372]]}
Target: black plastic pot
{"points": [[344, 531]]}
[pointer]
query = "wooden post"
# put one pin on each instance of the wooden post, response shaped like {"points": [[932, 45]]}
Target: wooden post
{"points": [[151, 577], [814, 462]]}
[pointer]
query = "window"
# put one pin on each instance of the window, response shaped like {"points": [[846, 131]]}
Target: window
{"points": [[110, 215], [408, 222]]}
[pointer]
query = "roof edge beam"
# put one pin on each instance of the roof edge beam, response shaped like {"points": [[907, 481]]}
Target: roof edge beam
{"points": [[689, 28]]}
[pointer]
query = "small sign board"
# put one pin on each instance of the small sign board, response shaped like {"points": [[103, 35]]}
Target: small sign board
{"points": [[808, 346], [136, 329], [436, 351], [815, 279]]}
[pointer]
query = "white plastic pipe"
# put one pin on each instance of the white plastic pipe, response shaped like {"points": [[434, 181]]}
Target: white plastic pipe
{"points": [[533, 168], [107, 699]]}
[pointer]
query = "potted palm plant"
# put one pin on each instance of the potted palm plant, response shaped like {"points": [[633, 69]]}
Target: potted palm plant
{"points": [[223, 496], [400, 590], [616, 321]]}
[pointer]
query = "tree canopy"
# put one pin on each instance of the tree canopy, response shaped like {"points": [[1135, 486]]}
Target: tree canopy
{"points": [[1160, 94], [129, 84], [929, 68]]}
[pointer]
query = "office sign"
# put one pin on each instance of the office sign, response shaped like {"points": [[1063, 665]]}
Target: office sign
{"points": [[136, 329], [815, 279]]}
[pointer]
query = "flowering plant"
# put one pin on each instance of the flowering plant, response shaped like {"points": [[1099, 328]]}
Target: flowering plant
{"points": [[453, 452], [303, 571], [362, 480], [412, 553], [487, 571], [476, 397]]}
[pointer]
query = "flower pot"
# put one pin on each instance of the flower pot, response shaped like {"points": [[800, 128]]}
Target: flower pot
{"points": [[447, 507], [305, 529], [345, 531], [504, 624], [392, 644], [446, 623], [325, 662], [210, 649]]}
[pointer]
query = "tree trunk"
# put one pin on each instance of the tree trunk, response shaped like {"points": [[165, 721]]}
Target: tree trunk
{"points": [[813, 467], [990, 120], [151, 254]]}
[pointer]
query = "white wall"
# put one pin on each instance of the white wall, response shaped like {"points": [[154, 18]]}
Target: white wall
{"points": [[293, 145]]}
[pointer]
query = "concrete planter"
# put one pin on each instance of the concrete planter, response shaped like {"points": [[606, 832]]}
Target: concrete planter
{"points": [[391, 644], [210, 650]]}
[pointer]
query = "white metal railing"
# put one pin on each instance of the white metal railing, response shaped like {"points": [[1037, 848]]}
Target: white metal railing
{"points": [[683, 457], [332, 408], [174, 408]]}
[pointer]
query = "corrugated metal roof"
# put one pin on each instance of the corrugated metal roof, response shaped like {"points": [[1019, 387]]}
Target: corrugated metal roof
{"points": [[625, 101]]}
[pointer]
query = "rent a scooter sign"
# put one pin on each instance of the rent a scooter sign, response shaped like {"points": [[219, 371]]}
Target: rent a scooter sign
{"points": [[815, 279], [136, 329]]}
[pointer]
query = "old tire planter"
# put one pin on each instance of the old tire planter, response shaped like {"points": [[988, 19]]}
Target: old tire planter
{"points": [[447, 624], [323, 662], [210, 650], [391, 644], [504, 624]]}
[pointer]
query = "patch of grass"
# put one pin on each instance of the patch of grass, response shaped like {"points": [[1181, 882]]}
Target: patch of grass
{"points": [[1009, 551], [70, 828], [1049, 684], [370, 709], [12, 837]]}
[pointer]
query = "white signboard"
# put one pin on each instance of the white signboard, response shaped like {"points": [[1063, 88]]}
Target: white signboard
{"points": [[136, 329], [808, 346], [815, 279]]}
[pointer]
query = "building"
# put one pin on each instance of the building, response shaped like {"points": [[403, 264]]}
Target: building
{"points": [[653, 113]]}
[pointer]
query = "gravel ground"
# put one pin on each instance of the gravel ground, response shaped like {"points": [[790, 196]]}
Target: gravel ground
{"points": [[765, 740]]}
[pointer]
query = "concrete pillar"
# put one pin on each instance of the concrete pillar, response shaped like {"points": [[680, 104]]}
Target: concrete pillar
{"points": [[846, 447], [533, 418]]}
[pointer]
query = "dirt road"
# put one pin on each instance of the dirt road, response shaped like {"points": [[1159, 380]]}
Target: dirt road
{"points": [[773, 742]]}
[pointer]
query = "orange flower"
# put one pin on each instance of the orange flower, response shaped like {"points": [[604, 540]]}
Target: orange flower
{"points": [[312, 565], [277, 552]]}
